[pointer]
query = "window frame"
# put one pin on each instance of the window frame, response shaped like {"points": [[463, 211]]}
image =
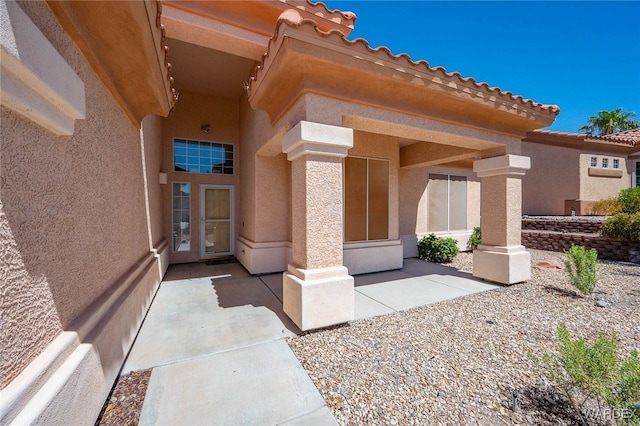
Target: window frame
{"points": [[605, 163], [594, 161], [615, 163], [449, 176], [173, 211], [635, 176], [199, 141], [344, 196]]}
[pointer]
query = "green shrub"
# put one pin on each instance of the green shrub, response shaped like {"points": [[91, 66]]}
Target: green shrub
{"points": [[595, 372], [475, 239], [622, 226], [581, 266], [606, 207], [629, 199], [438, 250]]}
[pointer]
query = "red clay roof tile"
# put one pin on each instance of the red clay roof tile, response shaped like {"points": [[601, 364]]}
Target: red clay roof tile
{"points": [[382, 51]]}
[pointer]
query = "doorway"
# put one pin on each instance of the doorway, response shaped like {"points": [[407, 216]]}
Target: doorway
{"points": [[216, 220]]}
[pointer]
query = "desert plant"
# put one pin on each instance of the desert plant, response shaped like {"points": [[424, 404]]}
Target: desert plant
{"points": [[594, 372], [606, 207], [629, 200], [475, 239], [581, 267], [438, 250], [622, 226]]}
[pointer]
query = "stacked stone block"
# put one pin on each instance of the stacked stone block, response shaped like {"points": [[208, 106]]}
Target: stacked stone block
{"points": [[560, 234]]}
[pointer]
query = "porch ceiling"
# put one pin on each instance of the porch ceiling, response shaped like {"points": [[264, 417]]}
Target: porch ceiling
{"points": [[303, 59], [202, 70]]}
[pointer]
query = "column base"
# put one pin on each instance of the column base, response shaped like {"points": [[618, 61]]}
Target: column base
{"points": [[316, 298], [506, 265]]}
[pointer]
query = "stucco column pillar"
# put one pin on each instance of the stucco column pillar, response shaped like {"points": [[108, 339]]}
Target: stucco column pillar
{"points": [[501, 257], [317, 288]]}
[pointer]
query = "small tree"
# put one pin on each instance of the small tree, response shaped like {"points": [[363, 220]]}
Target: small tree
{"points": [[581, 267]]}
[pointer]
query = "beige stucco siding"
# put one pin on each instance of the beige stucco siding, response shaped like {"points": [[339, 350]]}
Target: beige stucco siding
{"points": [[594, 188], [552, 179], [73, 218], [266, 182], [193, 111], [414, 197]]}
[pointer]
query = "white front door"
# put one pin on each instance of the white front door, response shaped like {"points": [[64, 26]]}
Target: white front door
{"points": [[216, 220]]}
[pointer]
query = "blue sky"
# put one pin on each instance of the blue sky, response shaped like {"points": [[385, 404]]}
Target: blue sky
{"points": [[581, 56]]}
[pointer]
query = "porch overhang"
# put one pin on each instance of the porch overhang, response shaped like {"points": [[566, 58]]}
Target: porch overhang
{"points": [[301, 58], [240, 27], [124, 44]]}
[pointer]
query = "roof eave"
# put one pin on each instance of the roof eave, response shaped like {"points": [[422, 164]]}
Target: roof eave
{"points": [[300, 59], [124, 43]]}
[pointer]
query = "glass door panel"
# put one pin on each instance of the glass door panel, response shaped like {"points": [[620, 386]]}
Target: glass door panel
{"points": [[216, 220]]}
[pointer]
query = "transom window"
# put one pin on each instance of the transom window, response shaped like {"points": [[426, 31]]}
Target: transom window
{"points": [[202, 157], [594, 161]]}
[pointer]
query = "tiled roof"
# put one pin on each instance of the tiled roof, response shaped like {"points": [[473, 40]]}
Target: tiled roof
{"points": [[347, 16], [288, 19], [629, 137]]}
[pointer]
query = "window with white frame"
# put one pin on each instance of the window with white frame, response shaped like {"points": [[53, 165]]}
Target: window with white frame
{"points": [[202, 157], [594, 161], [605, 163], [447, 203], [616, 163], [181, 216]]}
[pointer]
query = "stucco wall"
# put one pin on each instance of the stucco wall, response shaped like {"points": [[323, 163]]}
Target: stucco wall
{"points": [[414, 197], [552, 179], [73, 218], [266, 182], [594, 188], [191, 112]]}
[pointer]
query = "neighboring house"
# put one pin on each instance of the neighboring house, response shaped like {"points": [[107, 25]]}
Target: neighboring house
{"points": [[290, 148], [571, 171]]}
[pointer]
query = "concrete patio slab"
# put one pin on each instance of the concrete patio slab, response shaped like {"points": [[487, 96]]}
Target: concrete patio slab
{"points": [[258, 385], [274, 282], [410, 292], [366, 307], [214, 337], [201, 316]]}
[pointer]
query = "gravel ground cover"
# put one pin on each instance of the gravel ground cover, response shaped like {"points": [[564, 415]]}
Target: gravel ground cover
{"points": [[125, 402], [462, 361]]}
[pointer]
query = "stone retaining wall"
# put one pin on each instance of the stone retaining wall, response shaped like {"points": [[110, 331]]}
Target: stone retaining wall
{"points": [[560, 241], [567, 225]]}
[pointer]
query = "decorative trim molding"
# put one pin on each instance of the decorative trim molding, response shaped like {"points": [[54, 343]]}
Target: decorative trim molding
{"points": [[36, 81], [314, 138], [515, 165], [78, 368]]}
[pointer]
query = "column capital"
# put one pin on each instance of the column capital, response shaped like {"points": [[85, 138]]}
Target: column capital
{"points": [[315, 138], [503, 165]]}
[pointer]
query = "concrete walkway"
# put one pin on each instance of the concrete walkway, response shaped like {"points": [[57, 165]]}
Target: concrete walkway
{"points": [[215, 339]]}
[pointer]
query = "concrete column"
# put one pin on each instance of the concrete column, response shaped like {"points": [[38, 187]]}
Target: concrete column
{"points": [[317, 288], [501, 257]]}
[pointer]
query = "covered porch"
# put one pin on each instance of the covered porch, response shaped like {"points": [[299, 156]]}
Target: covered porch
{"points": [[350, 139]]}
